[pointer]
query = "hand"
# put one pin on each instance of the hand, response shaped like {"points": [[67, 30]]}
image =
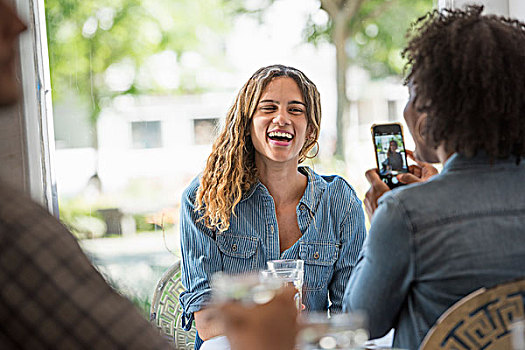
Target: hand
{"points": [[208, 323], [377, 189], [417, 173], [261, 327]]}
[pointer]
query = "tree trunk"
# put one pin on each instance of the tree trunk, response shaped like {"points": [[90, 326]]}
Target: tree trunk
{"points": [[339, 39]]}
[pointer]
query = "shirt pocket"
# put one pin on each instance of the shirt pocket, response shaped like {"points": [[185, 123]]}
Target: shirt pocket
{"points": [[237, 252], [319, 259]]}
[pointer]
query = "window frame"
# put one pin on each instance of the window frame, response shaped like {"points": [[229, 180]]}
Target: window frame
{"points": [[36, 103]]}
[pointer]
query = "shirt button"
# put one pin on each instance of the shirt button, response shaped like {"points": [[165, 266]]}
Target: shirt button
{"points": [[316, 255], [234, 247], [271, 228], [302, 207]]}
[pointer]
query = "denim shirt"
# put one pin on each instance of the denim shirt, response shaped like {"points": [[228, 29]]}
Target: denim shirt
{"points": [[330, 218], [433, 243]]}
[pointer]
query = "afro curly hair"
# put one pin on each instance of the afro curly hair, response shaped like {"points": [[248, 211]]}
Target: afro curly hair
{"points": [[468, 71]]}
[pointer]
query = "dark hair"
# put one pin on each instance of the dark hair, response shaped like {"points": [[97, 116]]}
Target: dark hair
{"points": [[389, 152], [468, 71]]}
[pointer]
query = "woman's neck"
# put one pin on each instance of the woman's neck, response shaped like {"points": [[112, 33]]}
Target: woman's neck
{"points": [[443, 154], [284, 182]]}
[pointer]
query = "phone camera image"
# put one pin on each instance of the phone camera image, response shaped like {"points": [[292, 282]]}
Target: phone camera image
{"points": [[390, 152]]}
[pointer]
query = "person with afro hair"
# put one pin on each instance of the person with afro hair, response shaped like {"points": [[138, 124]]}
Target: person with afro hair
{"points": [[435, 241]]}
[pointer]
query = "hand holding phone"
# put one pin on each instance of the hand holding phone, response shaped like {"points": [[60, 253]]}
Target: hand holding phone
{"points": [[389, 146], [376, 190], [416, 173], [419, 172]]}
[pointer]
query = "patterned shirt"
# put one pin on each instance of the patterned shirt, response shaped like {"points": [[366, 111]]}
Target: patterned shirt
{"points": [[51, 297], [331, 221]]}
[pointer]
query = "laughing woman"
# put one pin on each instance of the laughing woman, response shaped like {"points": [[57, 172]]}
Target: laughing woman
{"points": [[254, 203]]}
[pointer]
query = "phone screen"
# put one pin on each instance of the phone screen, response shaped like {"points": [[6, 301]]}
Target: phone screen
{"points": [[390, 152]]}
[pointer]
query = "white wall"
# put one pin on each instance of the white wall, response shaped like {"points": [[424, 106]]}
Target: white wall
{"points": [[517, 9], [511, 8]]}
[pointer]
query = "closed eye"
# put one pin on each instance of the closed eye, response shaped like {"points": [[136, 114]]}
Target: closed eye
{"points": [[296, 110], [268, 108]]}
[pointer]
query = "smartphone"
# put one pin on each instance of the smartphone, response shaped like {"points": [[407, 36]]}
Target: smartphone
{"points": [[391, 157]]}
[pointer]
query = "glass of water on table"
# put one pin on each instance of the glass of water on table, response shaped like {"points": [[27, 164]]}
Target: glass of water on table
{"points": [[288, 271]]}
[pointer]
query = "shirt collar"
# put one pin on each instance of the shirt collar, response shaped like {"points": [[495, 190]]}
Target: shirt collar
{"points": [[312, 194], [251, 191], [481, 159], [314, 189]]}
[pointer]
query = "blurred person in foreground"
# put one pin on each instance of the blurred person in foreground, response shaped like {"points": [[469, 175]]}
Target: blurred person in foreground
{"points": [[51, 297], [432, 243], [254, 202]]}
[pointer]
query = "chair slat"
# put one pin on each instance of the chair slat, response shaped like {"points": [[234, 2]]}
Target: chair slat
{"points": [[166, 311]]}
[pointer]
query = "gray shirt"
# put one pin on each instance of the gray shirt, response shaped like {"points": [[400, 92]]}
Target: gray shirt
{"points": [[431, 244]]}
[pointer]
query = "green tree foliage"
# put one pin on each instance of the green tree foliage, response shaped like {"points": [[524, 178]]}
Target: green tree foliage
{"points": [[376, 34], [88, 37], [369, 33]]}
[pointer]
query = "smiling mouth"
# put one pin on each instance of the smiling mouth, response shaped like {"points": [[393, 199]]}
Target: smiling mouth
{"points": [[280, 136]]}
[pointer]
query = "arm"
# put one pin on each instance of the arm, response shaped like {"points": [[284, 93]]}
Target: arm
{"points": [[381, 280], [352, 233], [200, 260], [208, 325]]}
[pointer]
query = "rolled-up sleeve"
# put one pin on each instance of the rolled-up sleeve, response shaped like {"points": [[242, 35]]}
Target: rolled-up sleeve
{"points": [[381, 279], [200, 258], [352, 233]]}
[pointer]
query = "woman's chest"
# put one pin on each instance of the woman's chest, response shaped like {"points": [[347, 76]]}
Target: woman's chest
{"points": [[287, 227], [247, 246]]}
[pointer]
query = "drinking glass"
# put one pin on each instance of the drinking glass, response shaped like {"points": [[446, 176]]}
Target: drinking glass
{"points": [[285, 264], [341, 331], [288, 272], [246, 288], [518, 335]]}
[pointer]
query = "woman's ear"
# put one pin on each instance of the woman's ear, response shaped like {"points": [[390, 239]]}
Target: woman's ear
{"points": [[310, 132], [420, 129]]}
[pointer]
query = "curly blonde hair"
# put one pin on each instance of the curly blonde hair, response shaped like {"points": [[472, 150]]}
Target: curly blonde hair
{"points": [[230, 170]]}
